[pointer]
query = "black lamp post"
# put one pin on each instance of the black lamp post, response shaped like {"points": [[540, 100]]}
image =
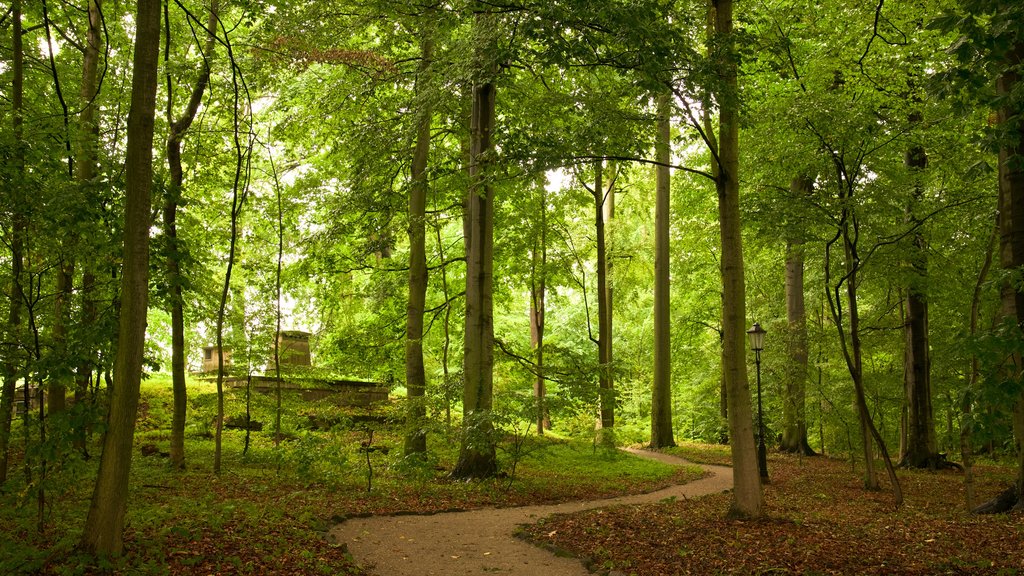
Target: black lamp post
{"points": [[756, 336]]}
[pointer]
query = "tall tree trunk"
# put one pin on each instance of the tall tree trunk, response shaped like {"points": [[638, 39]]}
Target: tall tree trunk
{"points": [[747, 498], [921, 450], [415, 375], [103, 532], [85, 174], [58, 384], [477, 458], [661, 393], [606, 381], [15, 295], [239, 193], [175, 137], [1011, 226], [794, 405], [538, 293]]}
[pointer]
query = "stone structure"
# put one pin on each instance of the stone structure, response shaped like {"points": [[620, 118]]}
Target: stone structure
{"points": [[211, 358]]}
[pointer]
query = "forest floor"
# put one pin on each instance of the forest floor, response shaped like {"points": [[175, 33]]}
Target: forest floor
{"points": [[483, 541], [820, 521]]}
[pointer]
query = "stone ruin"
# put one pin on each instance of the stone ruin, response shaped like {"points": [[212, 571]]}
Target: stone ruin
{"points": [[294, 352]]}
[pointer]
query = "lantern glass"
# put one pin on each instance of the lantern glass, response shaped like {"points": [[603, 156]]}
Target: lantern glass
{"points": [[756, 336]]}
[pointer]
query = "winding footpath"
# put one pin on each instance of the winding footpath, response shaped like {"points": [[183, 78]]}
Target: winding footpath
{"points": [[483, 541]]}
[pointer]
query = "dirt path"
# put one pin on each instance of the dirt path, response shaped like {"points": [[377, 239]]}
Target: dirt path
{"points": [[482, 541]]}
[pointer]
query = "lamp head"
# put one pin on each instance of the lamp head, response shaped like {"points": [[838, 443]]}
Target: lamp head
{"points": [[756, 337]]}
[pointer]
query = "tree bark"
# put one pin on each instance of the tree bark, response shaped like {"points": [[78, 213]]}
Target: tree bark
{"points": [[606, 381], [661, 393], [15, 295], [103, 532], [415, 374], [175, 137], [86, 171], [920, 449], [538, 294], [477, 458], [851, 348], [747, 498], [794, 406], [1011, 227]]}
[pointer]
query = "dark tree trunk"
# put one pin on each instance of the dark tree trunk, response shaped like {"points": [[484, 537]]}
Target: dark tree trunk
{"points": [[175, 137], [10, 367], [850, 345], [1011, 226], [606, 381], [477, 458], [103, 532], [538, 293], [920, 448]]}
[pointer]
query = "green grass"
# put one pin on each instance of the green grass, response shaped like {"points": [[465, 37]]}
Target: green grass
{"points": [[266, 513], [716, 454]]}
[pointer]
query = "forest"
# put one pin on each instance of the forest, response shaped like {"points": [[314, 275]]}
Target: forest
{"points": [[271, 265]]}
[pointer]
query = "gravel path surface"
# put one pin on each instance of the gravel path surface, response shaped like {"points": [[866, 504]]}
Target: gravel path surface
{"points": [[482, 541]]}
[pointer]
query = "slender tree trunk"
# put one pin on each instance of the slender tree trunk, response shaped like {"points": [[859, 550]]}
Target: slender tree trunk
{"points": [[794, 406], [1011, 229], [477, 458], [277, 306], [606, 382], [239, 193], [446, 345], [661, 394], [538, 293], [747, 499], [851, 349], [103, 532], [966, 421], [15, 295], [176, 135], [415, 375]]}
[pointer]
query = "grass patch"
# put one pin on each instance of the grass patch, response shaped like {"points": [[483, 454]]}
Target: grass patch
{"points": [[269, 509]]}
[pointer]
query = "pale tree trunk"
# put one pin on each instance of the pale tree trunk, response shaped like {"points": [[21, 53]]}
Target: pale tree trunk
{"points": [[175, 136], [661, 393], [708, 125], [103, 532], [538, 293], [920, 449], [1011, 232], [477, 458], [747, 498], [415, 374], [606, 381], [17, 224], [794, 405]]}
